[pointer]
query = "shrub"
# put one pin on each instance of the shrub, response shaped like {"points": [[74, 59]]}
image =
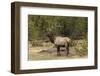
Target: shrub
{"points": [[81, 47]]}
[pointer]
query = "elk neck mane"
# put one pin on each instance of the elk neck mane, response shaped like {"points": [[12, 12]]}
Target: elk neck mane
{"points": [[52, 38]]}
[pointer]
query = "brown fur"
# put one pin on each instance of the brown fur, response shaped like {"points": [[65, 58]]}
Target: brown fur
{"points": [[60, 42]]}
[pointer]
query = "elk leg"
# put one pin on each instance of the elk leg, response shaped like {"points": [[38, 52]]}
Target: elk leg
{"points": [[58, 51], [67, 50]]}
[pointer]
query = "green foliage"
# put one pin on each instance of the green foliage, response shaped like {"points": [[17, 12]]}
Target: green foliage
{"points": [[74, 27], [81, 47]]}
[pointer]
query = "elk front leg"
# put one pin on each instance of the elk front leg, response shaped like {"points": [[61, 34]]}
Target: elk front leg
{"points": [[58, 51]]}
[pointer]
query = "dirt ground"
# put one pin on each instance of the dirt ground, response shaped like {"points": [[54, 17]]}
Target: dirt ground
{"points": [[50, 53]]}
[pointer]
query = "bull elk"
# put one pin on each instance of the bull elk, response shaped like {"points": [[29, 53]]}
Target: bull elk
{"points": [[59, 41]]}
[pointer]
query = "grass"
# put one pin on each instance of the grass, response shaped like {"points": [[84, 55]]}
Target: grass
{"points": [[45, 56], [75, 52]]}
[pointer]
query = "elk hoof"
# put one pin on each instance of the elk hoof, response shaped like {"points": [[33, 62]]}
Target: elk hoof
{"points": [[58, 54], [67, 54]]}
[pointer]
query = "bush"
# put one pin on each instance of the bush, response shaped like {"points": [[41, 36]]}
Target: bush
{"points": [[81, 47]]}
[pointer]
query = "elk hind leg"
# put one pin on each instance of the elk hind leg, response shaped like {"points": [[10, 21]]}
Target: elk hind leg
{"points": [[67, 50]]}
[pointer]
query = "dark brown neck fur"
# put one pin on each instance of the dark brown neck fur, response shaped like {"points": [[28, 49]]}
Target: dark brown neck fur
{"points": [[51, 39]]}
